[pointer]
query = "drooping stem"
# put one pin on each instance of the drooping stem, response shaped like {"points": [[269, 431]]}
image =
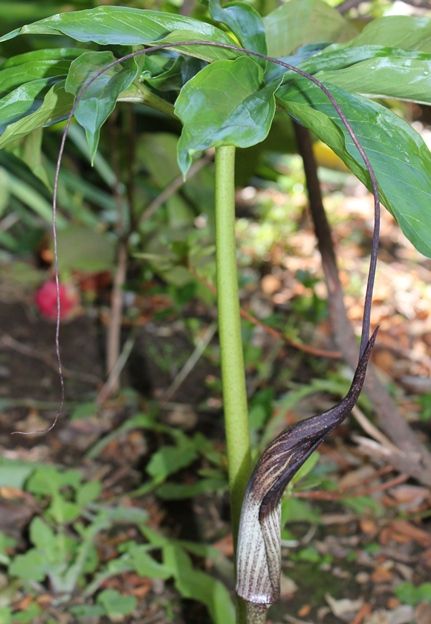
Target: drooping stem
{"points": [[232, 359], [388, 415]]}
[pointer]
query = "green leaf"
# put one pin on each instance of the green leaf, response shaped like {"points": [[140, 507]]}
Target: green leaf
{"points": [[199, 586], [62, 510], [30, 197], [42, 64], [244, 21], [6, 544], [55, 107], [363, 505], [115, 25], [304, 21], [98, 100], [129, 515], [170, 459], [14, 473], [306, 467], [41, 535], [404, 174], [28, 616], [116, 604], [145, 565], [203, 52], [29, 150], [413, 595], [425, 404], [224, 104], [397, 31], [47, 480], [87, 493], [22, 101], [88, 611], [31, 566], [376, 71], [180, 491], [296, 510], [85, 249], [84, 410]]}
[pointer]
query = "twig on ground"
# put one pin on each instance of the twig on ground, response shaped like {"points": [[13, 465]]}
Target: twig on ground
{"points": [[406, 462], [113, 337], [112, 382], [363, 612], [389, 417], [351, 493], [372, 431], [191, 362], [10, 343]]}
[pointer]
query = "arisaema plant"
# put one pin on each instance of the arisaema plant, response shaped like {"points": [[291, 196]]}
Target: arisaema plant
{"points": [[229, 75]]}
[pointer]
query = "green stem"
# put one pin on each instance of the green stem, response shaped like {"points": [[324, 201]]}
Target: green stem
{"points": [[232, 359], [255, 613]]}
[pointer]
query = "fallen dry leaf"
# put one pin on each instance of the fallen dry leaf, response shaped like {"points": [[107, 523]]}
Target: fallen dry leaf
{"points": [[382, 574], [345, 608], [423, 613]]}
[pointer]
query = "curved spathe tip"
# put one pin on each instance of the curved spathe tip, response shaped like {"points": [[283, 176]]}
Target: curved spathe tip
{"points": [[258, 551]]}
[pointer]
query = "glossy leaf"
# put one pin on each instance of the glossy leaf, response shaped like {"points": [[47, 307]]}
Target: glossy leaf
{"points": [[304, 21], [56, 105], [374, 70], [115, 25], [97, 101], [391, 74], [244, 21], [400, 158], [21, 101], [224, 104], [30, 66], [203, 52], [397, 31]]}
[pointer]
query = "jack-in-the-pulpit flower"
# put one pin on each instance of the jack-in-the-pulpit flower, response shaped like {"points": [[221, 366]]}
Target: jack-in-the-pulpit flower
{"points": [[258, 550]]}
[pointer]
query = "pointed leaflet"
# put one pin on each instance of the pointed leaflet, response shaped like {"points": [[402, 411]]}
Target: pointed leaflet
{"points": [[244, 21], [97, 101], [399, 156], [390, 73], [26, 78], [47, 64], [258, 558], [375, 70], [22, 101], [115, 25], [224, 104], [55, 107]]}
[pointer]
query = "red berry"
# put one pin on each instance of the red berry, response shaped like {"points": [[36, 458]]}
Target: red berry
{"points": [[46, 300]]}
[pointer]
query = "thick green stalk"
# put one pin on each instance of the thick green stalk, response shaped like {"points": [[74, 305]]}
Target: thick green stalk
{"points": [[232, 359]]}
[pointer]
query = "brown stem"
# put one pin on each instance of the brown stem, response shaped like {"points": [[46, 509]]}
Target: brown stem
{"points": [[388, 416], [113, 338]]}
